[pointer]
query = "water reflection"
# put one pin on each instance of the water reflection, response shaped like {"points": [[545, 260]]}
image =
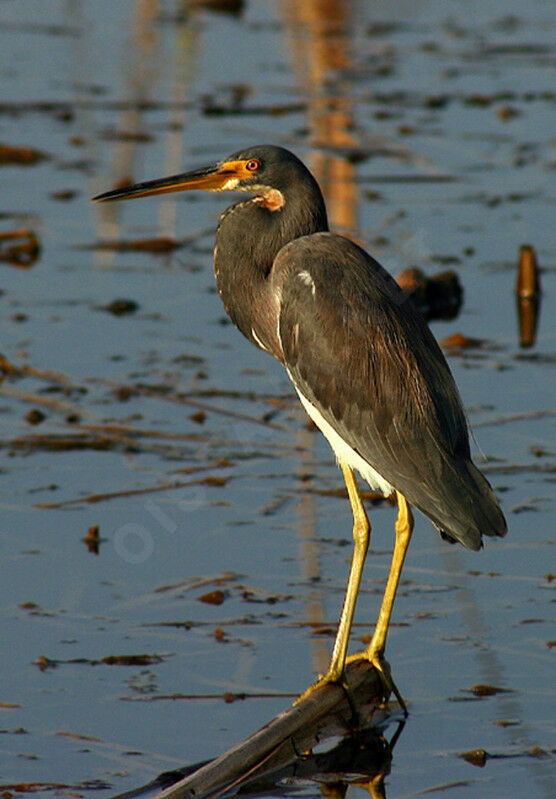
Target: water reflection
{"points": [[318, 33], [317, 38]]}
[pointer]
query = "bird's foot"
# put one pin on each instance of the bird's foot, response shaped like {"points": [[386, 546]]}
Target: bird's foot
{"points": [[324, 679], [377, 659]]}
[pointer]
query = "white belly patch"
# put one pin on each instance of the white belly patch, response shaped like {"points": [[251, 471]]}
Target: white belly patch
{"points": [[344, 453]]}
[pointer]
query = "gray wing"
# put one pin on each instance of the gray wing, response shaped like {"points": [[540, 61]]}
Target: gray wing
{"points": [[358, 350]]}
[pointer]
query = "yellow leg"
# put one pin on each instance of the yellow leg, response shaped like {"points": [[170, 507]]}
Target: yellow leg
{"points": [[374, 787], [361, 533], [375, 651]]}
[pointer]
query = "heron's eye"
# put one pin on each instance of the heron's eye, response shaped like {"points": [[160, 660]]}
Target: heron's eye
{"points": [[252, 165]]}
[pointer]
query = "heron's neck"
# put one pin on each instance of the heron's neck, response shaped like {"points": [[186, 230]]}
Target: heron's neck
{"points": [[248, 238]]}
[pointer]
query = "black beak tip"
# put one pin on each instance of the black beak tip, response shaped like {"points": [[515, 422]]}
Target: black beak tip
{"points": [[107, 196]]}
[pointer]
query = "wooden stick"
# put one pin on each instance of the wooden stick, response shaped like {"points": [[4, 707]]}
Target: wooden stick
{"points": [[285, 740]]}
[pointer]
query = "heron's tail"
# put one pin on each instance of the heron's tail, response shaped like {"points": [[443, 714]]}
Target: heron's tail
{"points": [[470, 509]]}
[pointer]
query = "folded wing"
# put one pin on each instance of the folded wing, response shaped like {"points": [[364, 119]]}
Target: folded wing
{"points": [[357, 350]]}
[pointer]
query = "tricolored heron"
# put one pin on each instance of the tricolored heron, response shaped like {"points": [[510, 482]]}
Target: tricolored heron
{"points": [[366, 367]]}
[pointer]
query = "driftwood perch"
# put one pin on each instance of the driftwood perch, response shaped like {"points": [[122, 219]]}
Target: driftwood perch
{"points": [[283, 747]]}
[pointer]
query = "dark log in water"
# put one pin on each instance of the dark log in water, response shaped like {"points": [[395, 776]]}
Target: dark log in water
{"points": [[283, 747]]}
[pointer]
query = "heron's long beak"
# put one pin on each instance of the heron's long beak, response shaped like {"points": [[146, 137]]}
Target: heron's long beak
{"points": [[224, 176]]}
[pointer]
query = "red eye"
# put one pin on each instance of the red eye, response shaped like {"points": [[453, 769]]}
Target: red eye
{"points": [[252, 165]]}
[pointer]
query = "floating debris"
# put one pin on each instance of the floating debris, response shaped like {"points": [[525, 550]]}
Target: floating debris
{"points": [[507, 112], [488, 690], [131, 660], [233, 7], [60, 442], [92, 539], [216, 597], [73, 789], [138, 136], [157, 244], [459, 341], [121, 307], [23, 156], [19, 247], [437, 297], [35, 416], [45, 663], [220, 635], [277, 109], [477, 757], [213, 480], [64, 195]]}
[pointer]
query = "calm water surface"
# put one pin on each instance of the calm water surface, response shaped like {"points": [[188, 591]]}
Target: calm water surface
{"points": [[430, 127]]}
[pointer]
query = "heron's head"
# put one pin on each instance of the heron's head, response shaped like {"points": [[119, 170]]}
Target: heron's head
{"points": [[271, 173]]}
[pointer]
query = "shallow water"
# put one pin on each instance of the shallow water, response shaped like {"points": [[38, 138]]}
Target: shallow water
{"points": [[430, 132]]}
